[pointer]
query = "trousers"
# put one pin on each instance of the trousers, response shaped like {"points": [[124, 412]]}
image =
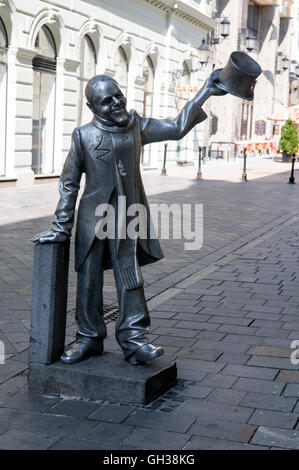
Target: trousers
{"points": [[134, 319]]}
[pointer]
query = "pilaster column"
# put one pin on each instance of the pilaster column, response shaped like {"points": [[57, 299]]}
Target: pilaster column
{"points": [[67, 101], [19, 113]]}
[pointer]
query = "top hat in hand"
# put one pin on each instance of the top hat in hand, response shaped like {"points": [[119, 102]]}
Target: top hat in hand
{"points": [[239, 75]]}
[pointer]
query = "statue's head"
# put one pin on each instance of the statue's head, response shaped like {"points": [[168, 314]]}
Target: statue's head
{"points": [[106, 100]]}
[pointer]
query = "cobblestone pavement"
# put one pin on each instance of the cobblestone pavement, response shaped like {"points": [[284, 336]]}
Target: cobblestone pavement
{"points": [[226, 313]]}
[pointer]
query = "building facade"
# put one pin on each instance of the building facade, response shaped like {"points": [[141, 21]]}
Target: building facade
{"points": [[49, 50], [294, 70], [262, 29]]}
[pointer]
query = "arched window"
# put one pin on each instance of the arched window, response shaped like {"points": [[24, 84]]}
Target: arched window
{"points": [[3, 35], [3, 87], [87, 71], [43, 125], [148, 87], [148, 93], [121, 66]]}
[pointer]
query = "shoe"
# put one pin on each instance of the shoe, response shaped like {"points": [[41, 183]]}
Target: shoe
{"points": [[144, 354], [81, 350]]}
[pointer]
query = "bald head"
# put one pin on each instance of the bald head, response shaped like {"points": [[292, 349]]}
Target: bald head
{"points": [[94, 84], [106, 100]]}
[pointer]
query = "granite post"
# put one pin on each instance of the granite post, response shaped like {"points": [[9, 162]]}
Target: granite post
{"points": [[49, 302]]}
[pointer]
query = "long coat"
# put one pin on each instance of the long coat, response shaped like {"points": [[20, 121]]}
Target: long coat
{"points": [[98, 150]]}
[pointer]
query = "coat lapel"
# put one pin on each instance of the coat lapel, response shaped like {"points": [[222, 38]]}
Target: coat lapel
{"points": [[103, 149]]}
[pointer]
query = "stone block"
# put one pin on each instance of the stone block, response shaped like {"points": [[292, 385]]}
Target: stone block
{"points": [[107, 377], [49, 302]]}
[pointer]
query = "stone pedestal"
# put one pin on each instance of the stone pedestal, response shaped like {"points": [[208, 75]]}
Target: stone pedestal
{"points": [[49, 302], [107, 377]]}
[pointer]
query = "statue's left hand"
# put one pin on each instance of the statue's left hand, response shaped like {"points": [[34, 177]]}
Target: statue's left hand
{"points": [[211, 87], [50, 237]]}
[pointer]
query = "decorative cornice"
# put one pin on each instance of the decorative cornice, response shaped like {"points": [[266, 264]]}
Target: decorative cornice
{"points": [[185, 11]]}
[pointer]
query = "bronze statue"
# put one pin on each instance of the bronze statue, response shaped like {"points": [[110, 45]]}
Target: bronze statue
{"points": [[108, 151]]}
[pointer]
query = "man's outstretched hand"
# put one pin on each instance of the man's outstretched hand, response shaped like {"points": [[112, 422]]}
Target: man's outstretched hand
{"points": [[50, 237], [209, 89], [213, 89]]}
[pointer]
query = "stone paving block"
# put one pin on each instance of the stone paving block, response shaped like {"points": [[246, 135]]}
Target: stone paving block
{"points": [[22, 400], [219, 380], [207, 443], [230, 320], [291, 390], [109, 433], [196, 325], [263, 308], [272, 332], [221, 346], [277, 342], [276, 437], [12, 327], [275, 362], [112, 413], [71, 444], [40, 423], [243, 339], [268, 401], [193, 353], [142, 438], [231, 358], [258, 386], [232, 397], [289, 376], [224, 312], [10, 369], [250, 372], [192, 317], [292, 326], [203, 409], [178, 341], [211, 335], [18, 337], [203, 366], [25, 440], [177, 420], [267, 324], [196, 391], [269, 351], [223, 430], [158, 322], [177, 332], [76, 408], [189, 374], [263, 316], [238, 330], [276, 419], [162, 314]]}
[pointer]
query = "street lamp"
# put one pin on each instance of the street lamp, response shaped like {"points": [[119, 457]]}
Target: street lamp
{"points": [[293, 67], [285, 63], [203, 53], [224, 28], [250, 43]]}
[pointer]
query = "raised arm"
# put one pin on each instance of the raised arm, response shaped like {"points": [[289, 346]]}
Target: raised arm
{"points": [[69, 185], [157, 130]]}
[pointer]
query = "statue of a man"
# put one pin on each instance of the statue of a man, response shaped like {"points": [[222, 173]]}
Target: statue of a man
{"points": [[108, 151]]}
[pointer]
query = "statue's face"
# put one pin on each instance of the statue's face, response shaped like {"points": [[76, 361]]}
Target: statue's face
{"points": [[110, 104]]}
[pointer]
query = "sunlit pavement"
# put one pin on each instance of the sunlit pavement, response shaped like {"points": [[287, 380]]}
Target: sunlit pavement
{"points": [[226, 313]]}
